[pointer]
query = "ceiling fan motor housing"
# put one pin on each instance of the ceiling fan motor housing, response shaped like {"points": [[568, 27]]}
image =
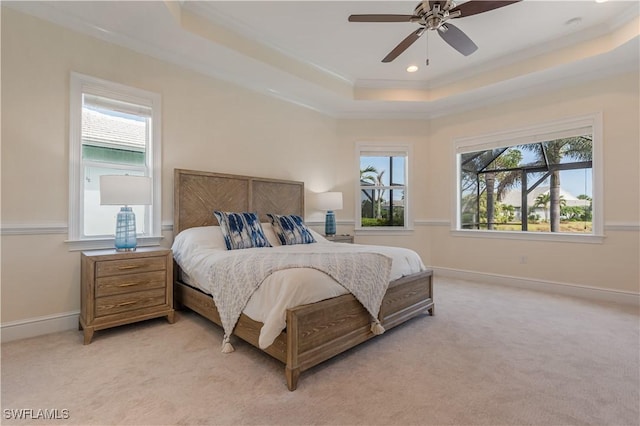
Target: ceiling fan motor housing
{"points": [[432, 17]]}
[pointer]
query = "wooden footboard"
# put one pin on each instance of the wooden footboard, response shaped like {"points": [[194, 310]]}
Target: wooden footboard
{"points": [[320, 331]]}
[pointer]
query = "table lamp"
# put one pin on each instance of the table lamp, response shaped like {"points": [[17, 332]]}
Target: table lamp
{"points": [[125, 190], [330, 201]]}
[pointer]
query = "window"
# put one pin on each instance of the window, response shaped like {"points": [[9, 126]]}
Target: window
{"points": [[114, 130], [382, 200], [538, 180]]}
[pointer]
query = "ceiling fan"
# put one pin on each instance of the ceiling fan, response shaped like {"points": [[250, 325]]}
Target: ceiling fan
{"points": [[434, 15]]}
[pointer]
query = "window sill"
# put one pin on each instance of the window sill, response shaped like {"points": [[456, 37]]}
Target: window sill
{"points": [[107, 243], [531, 236]]}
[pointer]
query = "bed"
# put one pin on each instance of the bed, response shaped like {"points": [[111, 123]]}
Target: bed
{"points": [[313, 332]]}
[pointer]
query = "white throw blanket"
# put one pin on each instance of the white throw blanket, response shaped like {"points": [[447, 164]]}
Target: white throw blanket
{"points": [[235, 278]]}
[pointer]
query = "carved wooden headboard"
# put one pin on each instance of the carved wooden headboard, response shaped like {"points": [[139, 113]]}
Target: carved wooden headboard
{"points": [[197, 194]]}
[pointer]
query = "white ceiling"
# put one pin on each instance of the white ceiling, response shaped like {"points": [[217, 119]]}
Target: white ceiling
{"points": [[307, 52]]}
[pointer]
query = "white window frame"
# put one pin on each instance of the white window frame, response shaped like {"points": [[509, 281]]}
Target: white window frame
{"points": [[528, 135], [81, 84], [385, 149]]}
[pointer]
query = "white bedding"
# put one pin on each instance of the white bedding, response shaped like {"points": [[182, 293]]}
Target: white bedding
{"points": [[195, 250]]}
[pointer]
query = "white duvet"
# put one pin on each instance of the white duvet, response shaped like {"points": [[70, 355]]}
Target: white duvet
{"points": [[196, 249]]}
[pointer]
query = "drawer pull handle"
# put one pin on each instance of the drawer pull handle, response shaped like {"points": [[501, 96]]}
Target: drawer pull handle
{"points": [[130, 284], [131, 302], [128, 267]]}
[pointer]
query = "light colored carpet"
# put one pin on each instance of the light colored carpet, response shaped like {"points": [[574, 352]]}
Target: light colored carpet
{"points": [[492, 355]]}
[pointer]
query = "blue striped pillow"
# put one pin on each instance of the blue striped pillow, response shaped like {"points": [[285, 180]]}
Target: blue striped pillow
{"points": [[291, 229], [241, 230]]}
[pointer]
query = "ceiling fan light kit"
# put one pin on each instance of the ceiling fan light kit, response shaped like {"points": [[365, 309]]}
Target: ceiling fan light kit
{"points": [[434, 15]]}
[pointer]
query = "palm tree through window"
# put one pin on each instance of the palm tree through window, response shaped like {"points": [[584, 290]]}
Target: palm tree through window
{"points": [[545, 186], [383, 189]]}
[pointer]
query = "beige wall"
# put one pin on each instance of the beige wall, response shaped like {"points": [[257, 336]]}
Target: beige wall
{"points": [[206, 125], [212, 125], [613, 264]]}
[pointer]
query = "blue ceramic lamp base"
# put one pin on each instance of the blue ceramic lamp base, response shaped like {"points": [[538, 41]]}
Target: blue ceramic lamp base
{"points": [[126, 230], [330, 224]]}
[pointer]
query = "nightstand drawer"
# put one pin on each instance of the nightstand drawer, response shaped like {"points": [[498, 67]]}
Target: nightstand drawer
{"points": [[131, 301], [118, 284], [129, 266]]}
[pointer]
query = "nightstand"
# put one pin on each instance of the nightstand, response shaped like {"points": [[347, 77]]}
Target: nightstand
{"points": [[123, 287], [340, 238]]}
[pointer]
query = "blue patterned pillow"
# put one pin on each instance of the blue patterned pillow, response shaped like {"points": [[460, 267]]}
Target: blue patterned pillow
{"points": [[291, 229], [241, 230]]}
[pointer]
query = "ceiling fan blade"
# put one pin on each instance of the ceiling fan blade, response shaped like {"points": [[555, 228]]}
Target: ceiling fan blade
{"points": [[457, 39], [474, 7], [380, 18], [404, 45]]}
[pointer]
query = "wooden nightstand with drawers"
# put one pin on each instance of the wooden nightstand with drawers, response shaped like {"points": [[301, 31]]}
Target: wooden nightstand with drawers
{"points": [[123, 287]]}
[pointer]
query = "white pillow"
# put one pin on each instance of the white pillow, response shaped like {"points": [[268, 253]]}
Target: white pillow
{"points": [[319, 238], [210, 237], [270, 234]]}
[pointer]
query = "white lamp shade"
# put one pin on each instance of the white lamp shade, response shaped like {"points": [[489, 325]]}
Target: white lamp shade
{"points": [[125, 190], [329, 201]]}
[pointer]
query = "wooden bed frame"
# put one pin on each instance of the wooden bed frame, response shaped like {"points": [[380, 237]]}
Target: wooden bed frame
{"points": [[315, 332]]}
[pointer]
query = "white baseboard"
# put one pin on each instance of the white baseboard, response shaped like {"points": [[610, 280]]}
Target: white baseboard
{"points": [[32, 327], [574, 290]]}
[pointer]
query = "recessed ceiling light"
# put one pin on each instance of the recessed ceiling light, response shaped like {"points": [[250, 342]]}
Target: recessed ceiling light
{"points": [[412, 68], [600, 1]]}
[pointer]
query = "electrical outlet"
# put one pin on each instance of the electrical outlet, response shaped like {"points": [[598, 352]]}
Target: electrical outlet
{"points": [[523, 260]]}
